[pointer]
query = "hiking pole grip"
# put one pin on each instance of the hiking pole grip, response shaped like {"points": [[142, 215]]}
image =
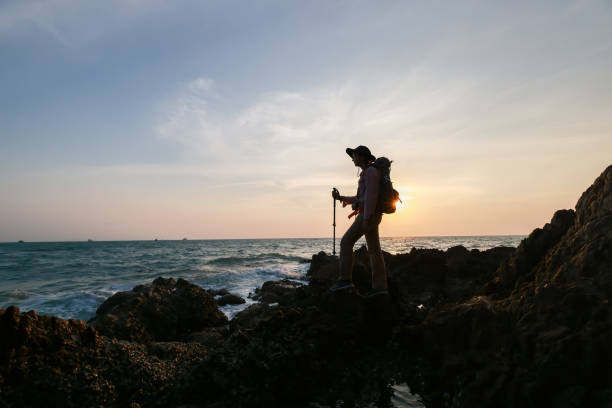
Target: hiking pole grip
{"points": [[335, 192]]}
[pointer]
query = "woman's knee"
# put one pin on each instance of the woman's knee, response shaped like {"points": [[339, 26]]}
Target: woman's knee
{"points": [[374, 247], [376, 257]]}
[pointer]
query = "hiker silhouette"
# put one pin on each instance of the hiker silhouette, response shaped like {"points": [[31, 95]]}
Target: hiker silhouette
{"points": [[366, 222]]}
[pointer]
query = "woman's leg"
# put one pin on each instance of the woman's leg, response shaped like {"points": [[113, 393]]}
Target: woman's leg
{"points": [[377, 262], [347, 243]]}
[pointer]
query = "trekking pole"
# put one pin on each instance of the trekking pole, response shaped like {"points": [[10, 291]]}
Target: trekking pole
{"points": [[334, 224]]}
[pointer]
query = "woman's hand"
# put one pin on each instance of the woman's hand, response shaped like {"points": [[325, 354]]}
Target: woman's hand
{"points": [[336, 194]]}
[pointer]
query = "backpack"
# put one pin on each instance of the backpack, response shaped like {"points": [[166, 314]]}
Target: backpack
{"points": [[387, 195]]}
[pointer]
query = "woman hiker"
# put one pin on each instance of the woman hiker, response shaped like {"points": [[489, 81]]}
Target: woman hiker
{"points": [[366, 222]]}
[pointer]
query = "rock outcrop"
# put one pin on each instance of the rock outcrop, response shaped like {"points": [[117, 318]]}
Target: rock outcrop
{"points": [[50, 362], [284, 292], [541, 336], [520, 267], [324, 270], [230, 299], [224, 297], [166, 310]]}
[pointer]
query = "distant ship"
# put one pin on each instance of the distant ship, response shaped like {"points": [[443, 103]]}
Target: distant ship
{"points": [[184, 239], [20, 241], [90, 240], [155, 239]]}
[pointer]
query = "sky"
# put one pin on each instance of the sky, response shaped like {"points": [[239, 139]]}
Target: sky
{"points": [[136, 119]]}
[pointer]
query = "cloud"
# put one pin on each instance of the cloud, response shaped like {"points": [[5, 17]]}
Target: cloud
{"points": [[302, 131], [281, 131], [438, 127]]}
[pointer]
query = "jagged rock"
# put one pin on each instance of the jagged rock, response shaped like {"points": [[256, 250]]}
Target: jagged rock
{"points": [[251, 316], [585, 252], [324, 270], [46, 361], [230, 299], [596, 201], [519, 267], [50, 362], [166, 310], [283, 291], [541, 339], [425, 277], [225, 297]]}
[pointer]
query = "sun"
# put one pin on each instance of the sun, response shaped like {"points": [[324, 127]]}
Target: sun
{"points": [[404, 197]]}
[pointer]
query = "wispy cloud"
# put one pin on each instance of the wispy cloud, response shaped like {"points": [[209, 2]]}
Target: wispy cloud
{"points": [[306, 131], [444, 128]]}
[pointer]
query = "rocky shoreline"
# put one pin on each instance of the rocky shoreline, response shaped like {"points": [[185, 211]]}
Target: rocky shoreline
{"points": [[507, 327]]}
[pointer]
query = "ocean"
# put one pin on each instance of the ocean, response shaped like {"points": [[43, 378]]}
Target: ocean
{"points": [[71, 279]]}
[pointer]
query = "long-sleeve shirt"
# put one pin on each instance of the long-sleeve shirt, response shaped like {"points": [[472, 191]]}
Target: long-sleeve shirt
{"points": [[367, 191]]}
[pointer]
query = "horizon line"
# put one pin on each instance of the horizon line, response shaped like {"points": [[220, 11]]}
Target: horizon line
{"points": [[252, 239]]}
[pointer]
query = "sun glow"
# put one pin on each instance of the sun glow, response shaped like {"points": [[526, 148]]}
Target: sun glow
{"points": [[404, 197], [400, 204]]}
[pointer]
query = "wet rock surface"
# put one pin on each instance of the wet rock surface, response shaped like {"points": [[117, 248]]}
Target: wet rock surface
{"points": [[524, 327]]}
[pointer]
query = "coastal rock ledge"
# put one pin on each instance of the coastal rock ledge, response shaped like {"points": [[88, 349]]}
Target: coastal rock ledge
{"points": [[507, 327]]}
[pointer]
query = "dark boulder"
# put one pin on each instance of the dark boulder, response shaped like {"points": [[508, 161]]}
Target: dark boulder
{"points": [[325, 270], [224, 297], [166, 310], [50, 362], [230, 299], [252, 316], [218, 292], [284, 291]]}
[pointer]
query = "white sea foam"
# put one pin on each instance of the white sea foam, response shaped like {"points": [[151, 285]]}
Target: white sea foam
{"points": [[404, 398]]}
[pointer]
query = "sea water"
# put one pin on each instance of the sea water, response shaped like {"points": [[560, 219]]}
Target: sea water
{"points": [[71, 279]]}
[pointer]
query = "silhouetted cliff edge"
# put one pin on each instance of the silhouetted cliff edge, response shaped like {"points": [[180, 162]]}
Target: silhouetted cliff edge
{"points": [[524, 327]]}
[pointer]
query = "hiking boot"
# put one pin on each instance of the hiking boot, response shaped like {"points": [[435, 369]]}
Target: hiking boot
{"points": [[341, 285], [375, 292]]}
